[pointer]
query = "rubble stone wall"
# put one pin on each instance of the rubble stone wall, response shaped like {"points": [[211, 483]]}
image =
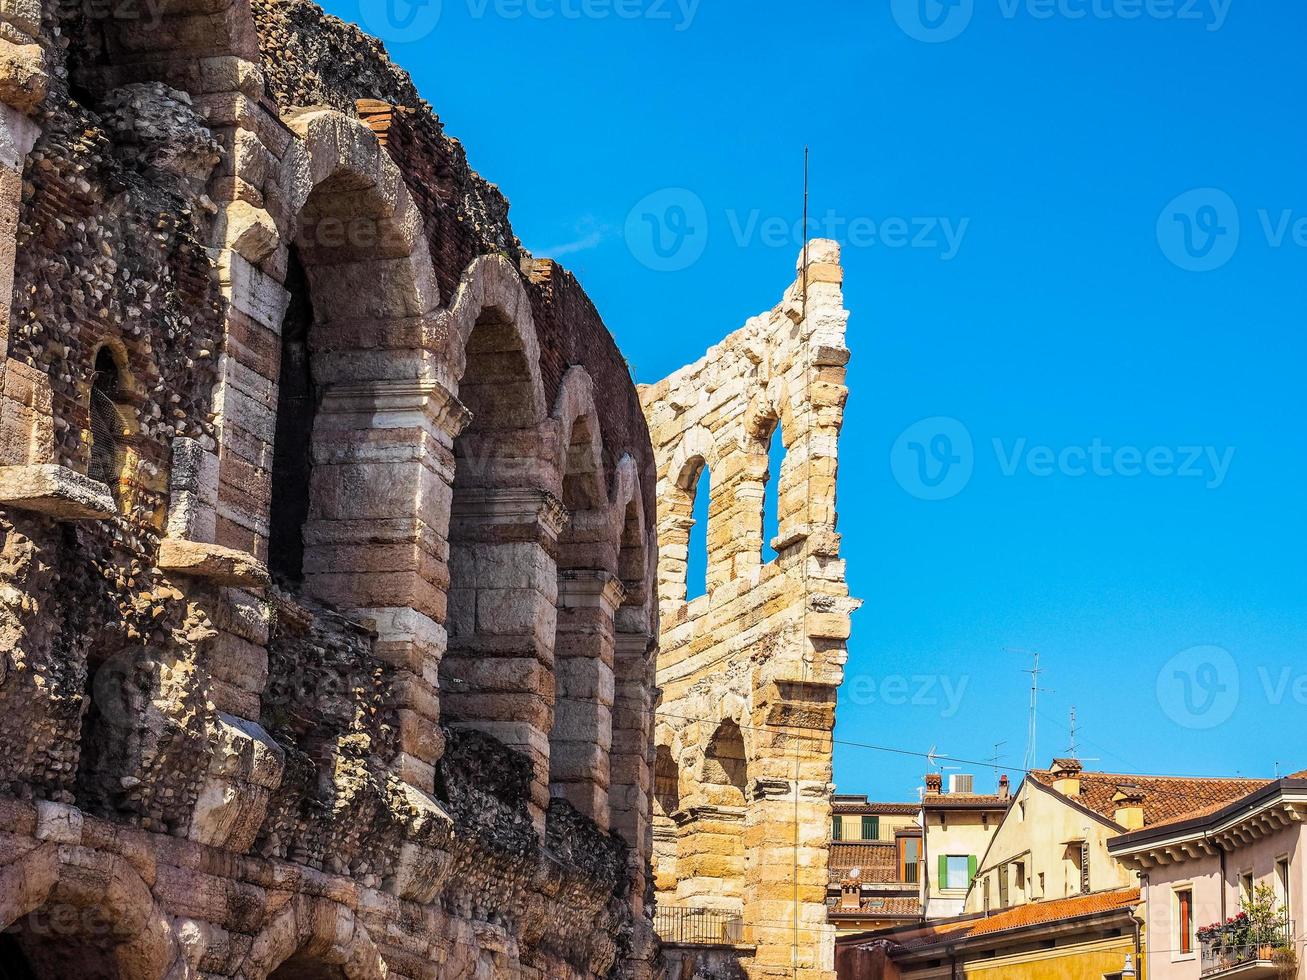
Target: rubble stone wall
{"points": [[414, 742], [748, 673]]}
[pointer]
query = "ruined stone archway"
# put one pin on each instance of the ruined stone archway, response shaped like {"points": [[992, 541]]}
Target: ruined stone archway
{"points": [[505, 517], [71, 911], [313, 938]]}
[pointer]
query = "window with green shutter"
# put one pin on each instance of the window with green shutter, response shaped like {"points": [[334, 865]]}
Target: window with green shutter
{"points": [[837, 828], [870, 827]]}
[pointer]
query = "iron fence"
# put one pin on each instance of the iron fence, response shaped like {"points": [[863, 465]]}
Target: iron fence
{"points": [[1234, 946], [677, 926]]}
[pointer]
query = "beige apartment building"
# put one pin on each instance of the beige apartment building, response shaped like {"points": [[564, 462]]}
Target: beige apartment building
{"points": [[1053, 843], [957, 826], [875, 864], [1203, 869]]}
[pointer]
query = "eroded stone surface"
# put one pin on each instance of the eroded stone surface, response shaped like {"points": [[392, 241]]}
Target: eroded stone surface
{"points": [[423, 749], [749, 671]]}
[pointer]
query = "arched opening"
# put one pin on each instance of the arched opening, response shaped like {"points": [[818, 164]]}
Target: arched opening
{"points": [[58, 941], [667, 783], [725, 767], [297, 405], [107, 429], [771, 505], [581, 736], [497, 673], [304, 967], [696, 560]]}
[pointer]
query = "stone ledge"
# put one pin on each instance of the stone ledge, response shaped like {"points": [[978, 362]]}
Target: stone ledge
{"points": [[55, 491], [214, 563]]}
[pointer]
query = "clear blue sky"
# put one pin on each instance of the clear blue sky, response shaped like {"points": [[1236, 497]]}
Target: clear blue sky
{"points": [[1068, 316]]}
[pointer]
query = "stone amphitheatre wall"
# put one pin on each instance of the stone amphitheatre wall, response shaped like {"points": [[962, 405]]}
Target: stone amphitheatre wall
{"points": [[327, 619], [748, 672]]}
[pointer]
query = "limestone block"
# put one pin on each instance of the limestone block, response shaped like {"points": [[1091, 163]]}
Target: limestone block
{"points": [[193, 483], [244, 767], [214, 563], [55, 491], [23, 78], [58, 823], [26, 415], [247, 230]]}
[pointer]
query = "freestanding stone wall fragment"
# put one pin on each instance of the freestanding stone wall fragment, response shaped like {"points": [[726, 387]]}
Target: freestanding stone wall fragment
{"points": [[749, 672], [327, 546]]}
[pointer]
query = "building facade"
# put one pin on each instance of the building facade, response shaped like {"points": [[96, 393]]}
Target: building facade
{"points": [[748, 672], [958, 826], [328, 605], [1053, 843], [1089, 937], [875, 864], [1202, 871]]}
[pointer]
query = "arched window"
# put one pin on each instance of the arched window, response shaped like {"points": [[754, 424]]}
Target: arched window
{"points": [[726, 768], [771, 505], [667, 783], [696, 566], [297, 403], [106, 422]]}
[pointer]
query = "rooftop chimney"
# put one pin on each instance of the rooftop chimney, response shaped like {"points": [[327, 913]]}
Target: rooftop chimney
{"points": [[1129, 803], [1004, 787], [1066, 776], [934, 782]]}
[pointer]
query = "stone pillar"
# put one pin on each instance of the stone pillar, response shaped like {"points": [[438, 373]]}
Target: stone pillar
{"points": [[632, 756], [582, 736], [498, 675], [373, 544], [711, 858], [25, 411]]}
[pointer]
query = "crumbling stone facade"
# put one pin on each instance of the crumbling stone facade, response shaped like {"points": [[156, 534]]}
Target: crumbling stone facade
{"points": [[749, 671], [327, 619]]}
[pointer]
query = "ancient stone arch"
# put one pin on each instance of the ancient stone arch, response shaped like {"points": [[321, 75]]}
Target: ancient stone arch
{"points": [[310, 937], [59, 899], [749, 675]]}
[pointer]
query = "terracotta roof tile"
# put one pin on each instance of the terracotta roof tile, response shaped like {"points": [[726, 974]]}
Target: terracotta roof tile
{"points": [[1021, 917], [889, 908], [879, 863], [1165, 797]]}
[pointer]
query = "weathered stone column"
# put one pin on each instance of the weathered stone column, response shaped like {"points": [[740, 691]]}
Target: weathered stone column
{"points": [[382, 476], [498, 675], [581, 740]]}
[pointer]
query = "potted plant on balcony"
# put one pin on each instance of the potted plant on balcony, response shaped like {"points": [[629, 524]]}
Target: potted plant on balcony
{"points": [[1285, 959], [1266, 919]]}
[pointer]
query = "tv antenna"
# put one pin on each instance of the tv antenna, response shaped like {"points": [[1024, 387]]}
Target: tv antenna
{"points": [[997, 757], [1032, 734]]}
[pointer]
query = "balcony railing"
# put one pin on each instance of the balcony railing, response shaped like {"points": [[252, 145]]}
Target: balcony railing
{"points": [[698, 927], [910, 873], [1233, 947]]}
